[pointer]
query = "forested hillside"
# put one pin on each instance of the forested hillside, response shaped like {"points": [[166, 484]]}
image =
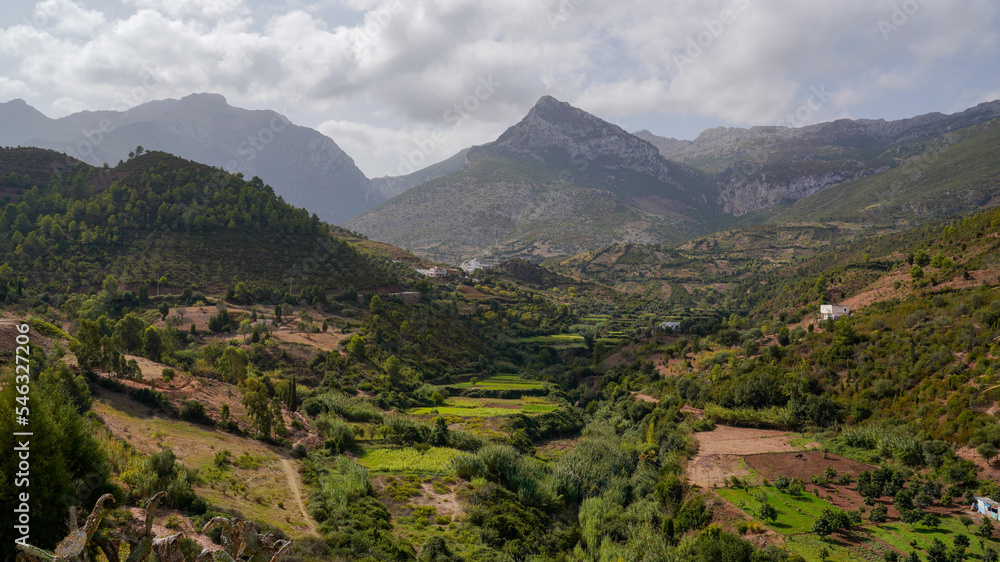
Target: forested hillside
{"points": [[184, 335], [157, 216]]}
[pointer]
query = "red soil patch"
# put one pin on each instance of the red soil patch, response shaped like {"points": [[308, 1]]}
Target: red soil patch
{"points": [[721, 451], [983, 470], [804, 465], [697, 413], [727, 440], [711, 471]]}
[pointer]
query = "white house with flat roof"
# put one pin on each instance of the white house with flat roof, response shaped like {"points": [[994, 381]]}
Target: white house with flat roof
{"points": [[987, 507], [833, 311]]}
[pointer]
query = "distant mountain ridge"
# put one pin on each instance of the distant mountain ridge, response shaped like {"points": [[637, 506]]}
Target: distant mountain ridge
{"points": [[305, 167], [557, 182], [562, 181], [760, 167]]}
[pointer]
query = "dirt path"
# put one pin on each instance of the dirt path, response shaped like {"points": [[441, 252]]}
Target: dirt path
{"points": [[293, 485]]}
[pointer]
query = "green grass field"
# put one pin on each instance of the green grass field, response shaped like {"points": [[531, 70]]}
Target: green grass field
{"points": [[487, 407], [502, 382], [558, 341], [408, 460], [796, 515]]}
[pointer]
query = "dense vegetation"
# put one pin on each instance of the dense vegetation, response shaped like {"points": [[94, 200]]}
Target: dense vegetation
{"points": [[510, 394]]}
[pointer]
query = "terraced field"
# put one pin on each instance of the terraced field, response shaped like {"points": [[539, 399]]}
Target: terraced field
{"points": [[487, 407], [502, 382], [407, 460]]}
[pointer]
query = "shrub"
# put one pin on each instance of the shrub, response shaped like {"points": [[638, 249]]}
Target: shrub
{"points": [[193, 410], [468, 466], [338, 435]]}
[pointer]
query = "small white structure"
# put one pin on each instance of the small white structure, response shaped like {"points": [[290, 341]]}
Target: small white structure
{"points": [[833, 311], [672, 326], [987, 507], [472, 265], [263, 321], [435, 271]]}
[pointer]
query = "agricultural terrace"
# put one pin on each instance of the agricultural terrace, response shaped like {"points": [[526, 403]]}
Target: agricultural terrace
{"points": [[502, 382], [408, 460], [487, 407]]}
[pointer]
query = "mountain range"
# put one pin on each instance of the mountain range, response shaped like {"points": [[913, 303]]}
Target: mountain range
{"points": [[305, 167], [562, 181]]}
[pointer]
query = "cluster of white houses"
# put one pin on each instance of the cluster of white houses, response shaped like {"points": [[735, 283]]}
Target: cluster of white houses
{"points": [[437, 271]]}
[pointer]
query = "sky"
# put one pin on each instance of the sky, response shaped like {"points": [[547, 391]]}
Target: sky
{"points": [[391, 79]]}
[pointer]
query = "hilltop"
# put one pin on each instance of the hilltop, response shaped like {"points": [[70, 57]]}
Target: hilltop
{"points": [[156, 215], [305, 167]]}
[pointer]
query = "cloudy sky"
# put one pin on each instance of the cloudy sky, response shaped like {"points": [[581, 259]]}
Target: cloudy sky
{"points": [[382, 77]]}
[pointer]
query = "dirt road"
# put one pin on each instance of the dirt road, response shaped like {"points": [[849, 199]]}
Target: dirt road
{"points": [[293, 485]]}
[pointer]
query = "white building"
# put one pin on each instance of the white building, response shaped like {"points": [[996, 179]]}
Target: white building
{"points": [[472, 265], [833, 311], [434, 271], [672, 326], [987, 507]]}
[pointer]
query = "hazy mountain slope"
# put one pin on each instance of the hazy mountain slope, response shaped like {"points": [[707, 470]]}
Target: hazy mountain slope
{"points": [[388, 187], [956, 174], [305, 167], [558, 182], [761, 167]]}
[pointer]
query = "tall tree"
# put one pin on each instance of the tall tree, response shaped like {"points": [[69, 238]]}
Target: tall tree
{"points": [[258, 405]]}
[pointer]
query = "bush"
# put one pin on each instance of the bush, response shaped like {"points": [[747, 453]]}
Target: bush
{"points": [[338, 435], [194, 411], [468, 466]]}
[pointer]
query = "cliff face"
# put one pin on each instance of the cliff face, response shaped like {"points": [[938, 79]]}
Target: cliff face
{"points": [[760, 167], [743, 195]]}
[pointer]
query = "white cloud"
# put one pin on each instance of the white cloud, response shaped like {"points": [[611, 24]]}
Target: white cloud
{"points": [[386, 70], [383, 151]]}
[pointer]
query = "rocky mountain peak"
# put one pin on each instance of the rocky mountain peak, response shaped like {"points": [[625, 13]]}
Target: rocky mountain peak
{"points": [[554, 130]]}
